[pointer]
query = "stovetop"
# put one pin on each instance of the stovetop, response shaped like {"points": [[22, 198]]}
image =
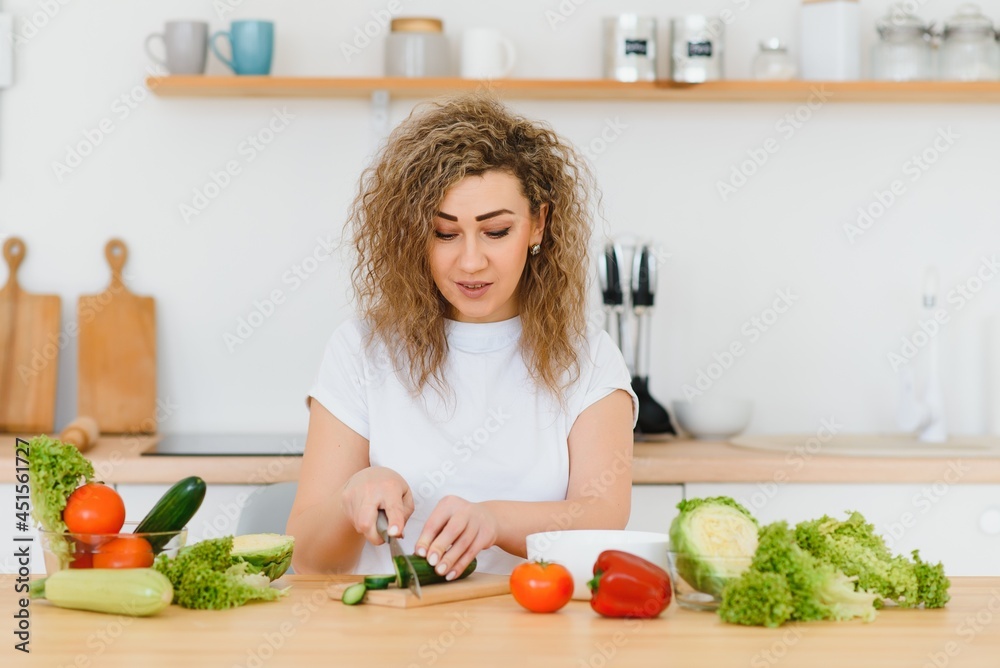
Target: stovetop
{"points": [[229, 445]]}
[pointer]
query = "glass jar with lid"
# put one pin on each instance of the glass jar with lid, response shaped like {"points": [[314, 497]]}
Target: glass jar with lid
{"points": [[903, 52], [772, 62], [417, 47], [969, 51]]}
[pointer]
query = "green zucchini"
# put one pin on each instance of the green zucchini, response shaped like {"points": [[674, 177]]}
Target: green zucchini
{"points": [[426, 575], [137, 592], [173, 511], [354, 594], [379, 581]]}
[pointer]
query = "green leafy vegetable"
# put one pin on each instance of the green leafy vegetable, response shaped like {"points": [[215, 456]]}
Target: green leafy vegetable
{"points": [[785, 582], [853, 546], [267, 553], [204, 577], [714, 539], [56, 470], [758, 599]]}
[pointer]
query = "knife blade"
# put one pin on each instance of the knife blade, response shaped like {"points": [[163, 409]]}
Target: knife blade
{"points": [[395, 551]]}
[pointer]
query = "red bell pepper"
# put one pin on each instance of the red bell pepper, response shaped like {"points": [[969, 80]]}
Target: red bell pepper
{"points": [[626, 585]]}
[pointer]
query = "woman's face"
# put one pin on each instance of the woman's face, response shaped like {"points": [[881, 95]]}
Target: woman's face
{"points": [[482, 232]]}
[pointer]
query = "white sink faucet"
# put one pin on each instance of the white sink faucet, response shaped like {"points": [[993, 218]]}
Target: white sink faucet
{"points": [[925, 418]]}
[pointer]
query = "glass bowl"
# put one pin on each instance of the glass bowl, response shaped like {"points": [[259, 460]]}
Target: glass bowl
{"points": [[698, 580], [108, 550]]}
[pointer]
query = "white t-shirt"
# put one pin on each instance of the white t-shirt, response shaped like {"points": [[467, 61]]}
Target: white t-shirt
{"points": [[497, 436]]}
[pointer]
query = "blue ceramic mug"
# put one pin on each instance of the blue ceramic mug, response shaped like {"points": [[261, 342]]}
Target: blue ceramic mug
{"points": [[252, 45]]}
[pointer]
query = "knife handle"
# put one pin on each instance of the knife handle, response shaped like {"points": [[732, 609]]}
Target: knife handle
{"points": [[382, 525]]}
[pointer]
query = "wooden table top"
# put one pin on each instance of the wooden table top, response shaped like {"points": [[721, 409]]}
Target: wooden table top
{"points": [[307, 628]]}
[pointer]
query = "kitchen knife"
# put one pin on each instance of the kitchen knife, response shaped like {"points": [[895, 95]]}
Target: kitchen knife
{"points": [[395, 551], [609, 272]]}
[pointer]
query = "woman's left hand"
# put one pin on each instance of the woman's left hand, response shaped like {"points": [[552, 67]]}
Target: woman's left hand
{"points": [[456, 531]]}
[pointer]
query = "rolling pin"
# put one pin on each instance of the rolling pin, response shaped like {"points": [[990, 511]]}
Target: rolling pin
{"points": [[81, 432]]}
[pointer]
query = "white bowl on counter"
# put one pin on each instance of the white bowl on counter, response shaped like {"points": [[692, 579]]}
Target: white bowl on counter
{"points": [[713, 418], [578, 549]]}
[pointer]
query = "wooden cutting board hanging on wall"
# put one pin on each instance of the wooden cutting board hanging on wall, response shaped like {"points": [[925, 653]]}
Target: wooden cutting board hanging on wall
{"points": [[116, 383], [29, 351]]}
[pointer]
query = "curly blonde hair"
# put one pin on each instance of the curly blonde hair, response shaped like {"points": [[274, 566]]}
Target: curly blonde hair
{"points": [[392, 222]]}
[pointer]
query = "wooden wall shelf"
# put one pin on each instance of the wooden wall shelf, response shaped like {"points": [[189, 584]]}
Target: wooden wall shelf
{"points": [[580, 89]]}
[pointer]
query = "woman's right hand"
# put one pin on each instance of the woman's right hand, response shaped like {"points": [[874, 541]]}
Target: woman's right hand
{"points": [[370, 489]]}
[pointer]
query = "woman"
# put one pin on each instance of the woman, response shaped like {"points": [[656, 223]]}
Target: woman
{"points": [[469, 400]]}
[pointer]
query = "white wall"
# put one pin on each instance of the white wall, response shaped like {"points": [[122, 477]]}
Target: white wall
{"points": [[825, 357]]}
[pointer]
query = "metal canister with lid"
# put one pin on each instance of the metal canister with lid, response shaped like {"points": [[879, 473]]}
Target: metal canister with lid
{"points": [[696, 49], [903, 52], [630, 48]]}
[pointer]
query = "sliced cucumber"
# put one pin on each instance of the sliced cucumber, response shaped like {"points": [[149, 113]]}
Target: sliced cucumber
{"points": [[379, 581], [354, 594], [426, 575]]}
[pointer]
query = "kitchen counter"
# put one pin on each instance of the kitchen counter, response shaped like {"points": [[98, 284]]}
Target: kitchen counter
{"points": [[307, 628], [118, 460]]}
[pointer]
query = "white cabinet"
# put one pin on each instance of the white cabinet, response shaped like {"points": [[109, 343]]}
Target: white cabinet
{"points": [[8, 531], [654, 507], [956, 524], [218, 515]]}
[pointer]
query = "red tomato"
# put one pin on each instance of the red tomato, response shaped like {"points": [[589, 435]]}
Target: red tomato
{"points": [[541, 586], [94, 508], [82, 558], [125, 552]]}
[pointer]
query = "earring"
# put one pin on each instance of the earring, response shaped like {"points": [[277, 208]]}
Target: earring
{"points": [[535, 249]]}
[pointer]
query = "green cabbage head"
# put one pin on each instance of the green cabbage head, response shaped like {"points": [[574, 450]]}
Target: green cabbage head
{"points": [[714, 540], [267, 553]]}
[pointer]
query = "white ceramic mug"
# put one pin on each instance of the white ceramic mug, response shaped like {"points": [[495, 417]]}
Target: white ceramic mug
{"points": [[486, 54], [185, 45]]}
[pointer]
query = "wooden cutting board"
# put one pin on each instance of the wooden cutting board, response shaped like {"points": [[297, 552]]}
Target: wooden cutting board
{"points": [[477, 585], [29, 351], [116, 383]]}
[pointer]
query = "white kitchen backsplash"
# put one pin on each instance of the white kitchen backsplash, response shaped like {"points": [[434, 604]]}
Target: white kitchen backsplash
{"points": [[839, 205]]}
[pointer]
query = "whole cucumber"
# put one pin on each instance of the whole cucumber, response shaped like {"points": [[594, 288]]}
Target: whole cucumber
{"points": [[173, 511]]}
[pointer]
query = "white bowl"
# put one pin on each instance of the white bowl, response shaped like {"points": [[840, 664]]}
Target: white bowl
{"points": [[713, 417], [578, 550]]}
